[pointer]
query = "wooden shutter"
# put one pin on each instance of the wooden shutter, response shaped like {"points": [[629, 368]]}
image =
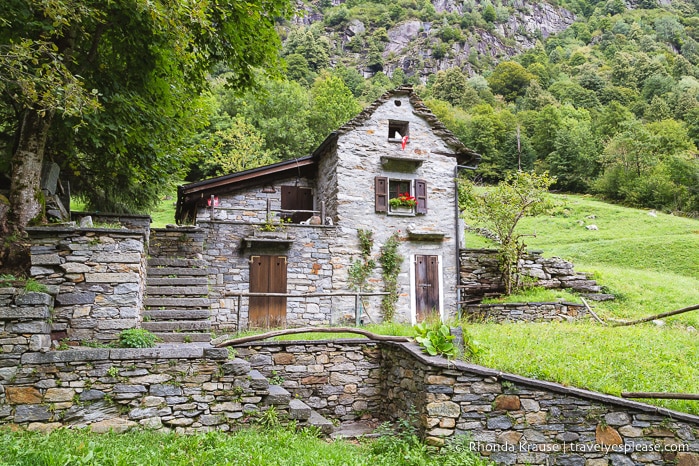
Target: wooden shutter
{"points": [[381, 194], [421, 196]]}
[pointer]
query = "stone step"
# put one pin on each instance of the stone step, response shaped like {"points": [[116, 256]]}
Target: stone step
{"points": [[599, 296], [325, 426], [177, 314], [277, 396], [356, 430], [170, 262], [299, 410], [177, 290], [177, 326], [258, 382], [176, 302], [186, 281], [183, 337], [177, 271]]}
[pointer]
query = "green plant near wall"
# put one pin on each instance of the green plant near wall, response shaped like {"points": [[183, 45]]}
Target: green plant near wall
{"points": [[390, 261], [360, 269], [137, 338], [435, 339]]}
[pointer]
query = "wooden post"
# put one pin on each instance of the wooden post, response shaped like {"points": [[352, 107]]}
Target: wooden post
{"points": [[211, 200], [322, 212], [240, 298], [269, 210]]}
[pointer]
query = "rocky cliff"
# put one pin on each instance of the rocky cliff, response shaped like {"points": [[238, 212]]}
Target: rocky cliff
{"points": [[419, 44]]}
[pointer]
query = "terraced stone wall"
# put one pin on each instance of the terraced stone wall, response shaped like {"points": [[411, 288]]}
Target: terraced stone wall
{"points": [[524, 312], [184, 388], [97, 276], [516, 420], [480, 276], [340, 379]]}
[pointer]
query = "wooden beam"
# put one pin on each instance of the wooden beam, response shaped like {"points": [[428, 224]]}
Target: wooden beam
{"points": [[660, 395], [292, 331]]}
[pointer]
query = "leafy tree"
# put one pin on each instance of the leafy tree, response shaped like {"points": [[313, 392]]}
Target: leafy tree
{"points": [[310, 45], [450, 86], [279, 111], [500, 209], [510, 79], [127, 76], [574, 159], [489, 14], [333, 105], [234, 148]]}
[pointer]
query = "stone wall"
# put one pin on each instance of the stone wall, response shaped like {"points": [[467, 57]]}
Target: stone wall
{"points": [[99, 277], [309, 270], [24, 327], [250, 205], [184, 388], [511, 419], [523, 312], [340, 379], [480, 276], [517, 420], [182, 242]]}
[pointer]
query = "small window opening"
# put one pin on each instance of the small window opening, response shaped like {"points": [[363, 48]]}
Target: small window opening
{"points": [[398, 103], [397, 129]]}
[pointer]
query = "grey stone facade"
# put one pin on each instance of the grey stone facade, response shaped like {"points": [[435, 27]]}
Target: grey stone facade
{"points": [[343, 177]]}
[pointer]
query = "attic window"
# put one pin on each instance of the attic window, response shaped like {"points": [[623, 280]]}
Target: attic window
{"points": [[397, 129], [398, 103]]}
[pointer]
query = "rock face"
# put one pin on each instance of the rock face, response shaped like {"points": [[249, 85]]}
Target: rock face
{"points": [[411, 43]]}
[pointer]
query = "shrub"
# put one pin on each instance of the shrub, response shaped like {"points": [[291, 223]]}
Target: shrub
{"points": [[137, 338]]}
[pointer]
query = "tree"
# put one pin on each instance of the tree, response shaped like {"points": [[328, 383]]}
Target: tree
{"points": [[510, 80], [450, 86], [234, 148], [127, 76], [501, 208], [333, 105], [280, 111]]}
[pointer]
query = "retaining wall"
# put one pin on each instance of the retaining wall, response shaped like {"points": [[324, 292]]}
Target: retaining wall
{"points": [[340, 379], [98, 276], [511, 419], [480, 276], [524, 312]]}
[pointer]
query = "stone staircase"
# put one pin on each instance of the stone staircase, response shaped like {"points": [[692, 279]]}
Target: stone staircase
{"points": [[267, 395], [176, 307]]}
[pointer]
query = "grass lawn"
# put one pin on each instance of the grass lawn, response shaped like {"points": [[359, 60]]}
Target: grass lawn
{"points": [[247, 447], [651, 264]]}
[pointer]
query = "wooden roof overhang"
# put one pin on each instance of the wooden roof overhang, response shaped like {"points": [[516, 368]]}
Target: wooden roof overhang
{"points": [[192, 195]]}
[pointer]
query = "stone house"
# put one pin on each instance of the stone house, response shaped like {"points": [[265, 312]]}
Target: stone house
{"points": [[395, 146]]}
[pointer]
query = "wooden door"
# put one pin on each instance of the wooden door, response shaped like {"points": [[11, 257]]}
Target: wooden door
{"points": [[297, 198], [426, 286], [267, 275]]}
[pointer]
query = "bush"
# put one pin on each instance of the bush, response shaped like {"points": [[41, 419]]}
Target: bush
{"points": [[137, 338]]}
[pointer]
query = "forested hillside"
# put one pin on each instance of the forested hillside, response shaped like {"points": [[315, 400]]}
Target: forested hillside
{"points": [[608, 105]]}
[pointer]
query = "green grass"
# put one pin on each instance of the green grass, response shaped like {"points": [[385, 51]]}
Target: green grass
{"points": [[610, 360], [535, 295], [249, 447], [650, 263], [164, 212]]}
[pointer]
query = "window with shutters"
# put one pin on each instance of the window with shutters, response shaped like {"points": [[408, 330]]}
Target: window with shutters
{"points": [[389, 188]]}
